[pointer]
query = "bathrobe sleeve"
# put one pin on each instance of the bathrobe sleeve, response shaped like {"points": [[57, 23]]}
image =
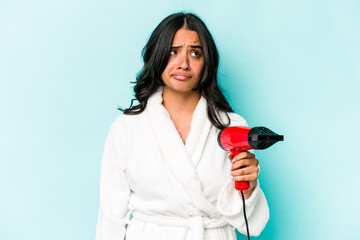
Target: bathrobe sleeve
{"points": [[230, 205], [114, 189], [257, 210]]}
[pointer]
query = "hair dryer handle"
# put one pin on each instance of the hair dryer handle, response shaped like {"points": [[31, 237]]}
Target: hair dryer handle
{"points": [[243, 185]]}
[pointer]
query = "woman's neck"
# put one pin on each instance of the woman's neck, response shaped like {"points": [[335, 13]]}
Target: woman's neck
{"points": [[180, 103], [181, 107]]}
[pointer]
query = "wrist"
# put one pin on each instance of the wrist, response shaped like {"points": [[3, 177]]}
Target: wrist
{"points": [[247, 193]]}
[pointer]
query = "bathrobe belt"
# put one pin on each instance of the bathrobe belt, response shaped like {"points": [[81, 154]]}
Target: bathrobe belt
{"points": [[195, 224]]}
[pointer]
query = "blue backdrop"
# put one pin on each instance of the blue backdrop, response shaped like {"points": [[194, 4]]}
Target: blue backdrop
{"points": [[65, 66]]}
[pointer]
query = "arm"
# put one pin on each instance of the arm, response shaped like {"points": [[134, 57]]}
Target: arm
{"points": [[257, 211], [230, 202], [245, 167], [114, 189]]}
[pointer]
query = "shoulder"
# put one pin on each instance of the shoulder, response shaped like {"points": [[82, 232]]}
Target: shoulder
{"points": [[125, 122], [236, 119]]}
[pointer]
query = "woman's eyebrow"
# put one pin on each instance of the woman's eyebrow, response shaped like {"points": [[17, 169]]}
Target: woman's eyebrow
{"points": [[196, 46], [192, 46]]}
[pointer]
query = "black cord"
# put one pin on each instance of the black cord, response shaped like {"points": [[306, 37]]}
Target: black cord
{"points": [[246, 222]]}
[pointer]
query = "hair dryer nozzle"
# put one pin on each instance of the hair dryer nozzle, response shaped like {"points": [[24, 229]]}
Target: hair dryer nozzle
{"points": [[262, 138]]}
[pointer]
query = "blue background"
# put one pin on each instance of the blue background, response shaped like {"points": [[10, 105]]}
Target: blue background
{"points": [[65, 66]]}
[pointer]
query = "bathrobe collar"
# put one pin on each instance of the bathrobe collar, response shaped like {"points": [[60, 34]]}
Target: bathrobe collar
{"points": [[182, 159]]}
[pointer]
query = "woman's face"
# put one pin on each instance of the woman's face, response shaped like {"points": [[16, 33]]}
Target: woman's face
{"points": [[186, 62]]}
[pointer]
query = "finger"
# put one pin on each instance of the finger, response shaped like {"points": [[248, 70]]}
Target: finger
{"points": [[245, 171], [243, 155], [246, 178], [245, 163], [229, 155]]}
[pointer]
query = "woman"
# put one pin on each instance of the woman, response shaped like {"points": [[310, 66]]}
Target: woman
{"points": [[162, 162]]}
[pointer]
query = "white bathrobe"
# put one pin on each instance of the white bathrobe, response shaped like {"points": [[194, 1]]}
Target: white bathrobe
{"points": [[173, 190]]}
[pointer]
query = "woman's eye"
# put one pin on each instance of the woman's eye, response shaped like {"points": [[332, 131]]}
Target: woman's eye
{"points": [[195, 54], [172, 52]]}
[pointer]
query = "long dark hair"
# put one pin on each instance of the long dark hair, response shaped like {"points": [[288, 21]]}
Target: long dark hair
{"points": [[156, 55]]}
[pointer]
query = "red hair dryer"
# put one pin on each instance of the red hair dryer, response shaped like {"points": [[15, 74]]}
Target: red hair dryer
{"points": [[239, 139]]}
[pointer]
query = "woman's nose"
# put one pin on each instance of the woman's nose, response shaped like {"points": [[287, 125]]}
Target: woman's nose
{"points": [[183, 62]]}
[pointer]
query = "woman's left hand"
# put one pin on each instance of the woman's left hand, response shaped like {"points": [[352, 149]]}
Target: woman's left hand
{"points": [[245, 167]]}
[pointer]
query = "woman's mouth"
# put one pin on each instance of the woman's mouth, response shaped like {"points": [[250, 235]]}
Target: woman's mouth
{"points": [[181, 77]]}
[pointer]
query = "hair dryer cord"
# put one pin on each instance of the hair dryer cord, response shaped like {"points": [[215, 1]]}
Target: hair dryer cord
{"points": [[246, 222]]}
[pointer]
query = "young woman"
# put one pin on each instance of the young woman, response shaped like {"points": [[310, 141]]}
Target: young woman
{"points": [[162, 163]]}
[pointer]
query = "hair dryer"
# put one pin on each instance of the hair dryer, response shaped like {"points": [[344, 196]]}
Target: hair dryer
{"points": [[239, 139]]}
